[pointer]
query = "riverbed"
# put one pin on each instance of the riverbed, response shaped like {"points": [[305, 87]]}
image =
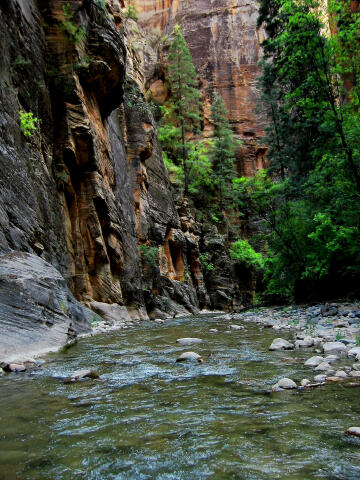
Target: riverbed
{"points": [[148, 417]]}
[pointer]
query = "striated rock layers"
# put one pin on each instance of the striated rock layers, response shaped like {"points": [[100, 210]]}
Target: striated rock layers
{"points": [[86, 205], [225, 46]]}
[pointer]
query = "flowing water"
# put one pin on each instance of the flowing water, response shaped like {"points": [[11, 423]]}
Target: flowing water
{"points": [[148, 417]]}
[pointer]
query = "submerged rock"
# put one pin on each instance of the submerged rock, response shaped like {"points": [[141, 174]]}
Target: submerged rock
{"points": [[188, 340], [189, 357], [81, 375], [280, 344]]}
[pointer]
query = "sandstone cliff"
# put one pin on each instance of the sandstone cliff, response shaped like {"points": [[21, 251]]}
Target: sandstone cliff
{"points": [[225, 46]]}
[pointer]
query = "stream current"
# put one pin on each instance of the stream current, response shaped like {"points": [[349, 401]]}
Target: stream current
{"points": [[148, 417]]}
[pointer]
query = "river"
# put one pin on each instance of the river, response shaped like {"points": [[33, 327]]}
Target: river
{"points": [[148, 417]]}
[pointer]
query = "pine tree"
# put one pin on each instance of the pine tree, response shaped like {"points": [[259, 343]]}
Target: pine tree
{"points": [[183, 111], [223, 150]]}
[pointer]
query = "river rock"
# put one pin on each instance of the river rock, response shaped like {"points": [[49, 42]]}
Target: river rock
{"points": [[331, 359], [189, 357], [188, 340], [213, 330], [334, 347], [280, 344], [341, 373], [324, 367], [314, 361], [354, 373], [15, 367], [320, 378], [284, 384], [236, 327], [305, 343], [354, 352], [353, 431], [304, 382], [79, 374], [356, 366], [334, 379]]}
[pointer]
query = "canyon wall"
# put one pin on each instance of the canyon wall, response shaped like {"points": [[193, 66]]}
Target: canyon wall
{"points": [[89, 222], [225, 45]]}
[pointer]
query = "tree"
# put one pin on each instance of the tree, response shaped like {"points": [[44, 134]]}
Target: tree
{"points": [[310, 196], [222, 152], [183, 110]]}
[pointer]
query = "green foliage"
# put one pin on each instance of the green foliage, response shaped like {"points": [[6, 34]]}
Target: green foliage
{"points": [[358, 340], [222, 152], [206, 265], [309, 198], [149, 256], [20, 61], [182, 113], [75, 33], [28, 123], [131, 11], [339, 335], [243, 252]]}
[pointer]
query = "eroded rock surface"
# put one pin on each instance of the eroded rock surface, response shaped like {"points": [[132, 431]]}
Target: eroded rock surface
{"points": [[37, 310]]}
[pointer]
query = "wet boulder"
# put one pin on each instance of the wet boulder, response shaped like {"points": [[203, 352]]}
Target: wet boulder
{"points": [[280, 344], [189, 357], [284, 384], [314, 361], [334, 347], [353, 431], [82, 375]]}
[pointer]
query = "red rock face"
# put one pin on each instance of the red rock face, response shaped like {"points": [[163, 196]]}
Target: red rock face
{"points": [[225, 46]]}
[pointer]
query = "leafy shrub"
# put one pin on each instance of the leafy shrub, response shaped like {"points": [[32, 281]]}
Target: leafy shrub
{"points": [[149, 255], [243, 252], [28, 123], [206, 265], [131, 12], [75, 32]]}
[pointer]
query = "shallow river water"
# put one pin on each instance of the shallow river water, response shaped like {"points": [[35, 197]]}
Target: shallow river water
{"points": [[148, 417]]}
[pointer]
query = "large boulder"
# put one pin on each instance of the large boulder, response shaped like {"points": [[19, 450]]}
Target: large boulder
{"points": [[334, 347], [38, 313]]}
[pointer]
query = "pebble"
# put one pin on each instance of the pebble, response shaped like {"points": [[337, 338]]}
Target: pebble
{"points": [[280, 344], [188, 340], [189, 356]]}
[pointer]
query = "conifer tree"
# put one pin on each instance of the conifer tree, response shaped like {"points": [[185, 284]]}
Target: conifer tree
{"points": [[182, 115], [223, 150]]}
